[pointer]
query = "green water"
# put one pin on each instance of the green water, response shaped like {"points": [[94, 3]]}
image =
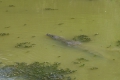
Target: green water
{"points": [[31, 20]]}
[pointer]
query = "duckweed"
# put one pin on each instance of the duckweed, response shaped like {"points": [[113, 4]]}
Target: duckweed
{"points": [[4, 34], [36, 71], [24, 45], [82, 38]]}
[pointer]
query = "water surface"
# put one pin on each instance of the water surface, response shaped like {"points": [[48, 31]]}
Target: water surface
{"points": [[31, 20]]}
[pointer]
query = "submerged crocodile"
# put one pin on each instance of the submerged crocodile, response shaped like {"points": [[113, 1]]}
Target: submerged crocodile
{"points": [[61, 39], [87, 49]]}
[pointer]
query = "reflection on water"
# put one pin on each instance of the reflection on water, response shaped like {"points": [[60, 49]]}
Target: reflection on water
{"points": [[25, 23]]}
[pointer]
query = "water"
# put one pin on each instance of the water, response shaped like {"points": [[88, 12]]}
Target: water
{"points": [[30, 21]]}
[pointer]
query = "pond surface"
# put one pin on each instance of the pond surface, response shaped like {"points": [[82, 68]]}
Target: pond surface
{"points": [[25, 23]]}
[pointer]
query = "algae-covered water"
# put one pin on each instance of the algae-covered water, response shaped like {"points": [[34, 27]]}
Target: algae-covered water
{"points": [[25, 23]]}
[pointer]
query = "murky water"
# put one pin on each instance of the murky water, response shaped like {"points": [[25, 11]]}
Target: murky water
{"points": [[31, 20]]}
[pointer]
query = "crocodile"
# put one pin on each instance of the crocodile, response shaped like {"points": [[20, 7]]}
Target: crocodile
{"points": [[76, 44], [63, 40]]}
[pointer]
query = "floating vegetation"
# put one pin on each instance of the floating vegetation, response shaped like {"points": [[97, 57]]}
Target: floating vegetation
{"points": [[80, 61], [11, 6], [60, 23], [4, 34], [93, 68], [72, 18], [24, 24], [36, 71], [113, 59], [33, 36], [24, 45], [96, 34], [82, 65], [59, 56], [7, 27], [109, 46], [118, 43], [75, 62], [50, 9], [82, 38]]}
